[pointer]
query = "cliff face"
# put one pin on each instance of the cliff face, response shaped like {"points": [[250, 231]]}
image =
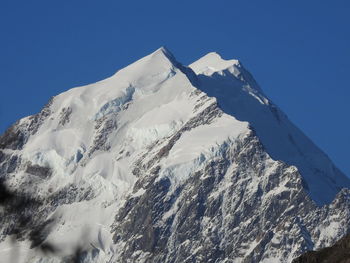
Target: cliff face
{"points": [[166, 163], [338, 253]]}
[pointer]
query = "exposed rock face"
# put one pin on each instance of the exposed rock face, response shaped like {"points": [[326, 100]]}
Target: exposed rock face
{"points": [[38, 170], [240, 207], [64, 116], [17, 135], [338, 253], [146, 167]]}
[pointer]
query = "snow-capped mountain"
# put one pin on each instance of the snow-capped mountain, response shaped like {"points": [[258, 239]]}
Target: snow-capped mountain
{"points": [[167, 163]]}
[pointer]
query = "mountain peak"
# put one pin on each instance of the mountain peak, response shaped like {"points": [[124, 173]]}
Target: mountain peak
{"points": [[163, 53], [157, 65], [163, 50]]}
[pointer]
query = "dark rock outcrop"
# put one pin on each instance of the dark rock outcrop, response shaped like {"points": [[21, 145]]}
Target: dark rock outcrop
{"points": [[338, 253]]}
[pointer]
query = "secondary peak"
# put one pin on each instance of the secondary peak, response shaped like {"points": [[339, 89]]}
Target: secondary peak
{"points": [[212, 62]]}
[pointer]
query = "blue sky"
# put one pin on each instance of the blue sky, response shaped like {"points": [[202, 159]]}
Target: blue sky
{"points": [[298, 51]]}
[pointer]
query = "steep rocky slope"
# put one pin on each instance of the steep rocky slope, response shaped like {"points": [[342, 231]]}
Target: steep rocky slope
{"points": [[338, 253]]}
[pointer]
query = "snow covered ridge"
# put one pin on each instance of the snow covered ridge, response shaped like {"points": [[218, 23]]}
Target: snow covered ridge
{"points": [[166, 163]]}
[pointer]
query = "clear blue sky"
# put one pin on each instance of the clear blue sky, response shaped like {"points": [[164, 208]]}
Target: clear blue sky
{"points": [[299, 52]]}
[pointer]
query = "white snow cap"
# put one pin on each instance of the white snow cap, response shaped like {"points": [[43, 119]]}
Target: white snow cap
{"points": [[212, 62]]}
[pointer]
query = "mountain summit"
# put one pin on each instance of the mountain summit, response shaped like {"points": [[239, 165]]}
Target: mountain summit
{"points": [[163, 162]]}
